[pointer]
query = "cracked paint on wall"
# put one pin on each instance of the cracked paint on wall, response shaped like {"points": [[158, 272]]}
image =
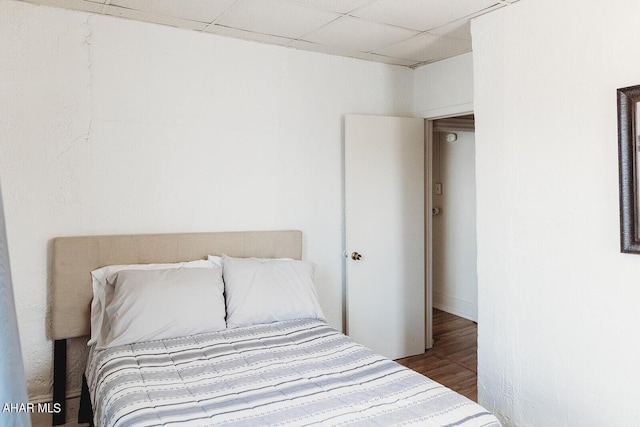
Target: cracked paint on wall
{"points": [[112, 126], [45, 112]]}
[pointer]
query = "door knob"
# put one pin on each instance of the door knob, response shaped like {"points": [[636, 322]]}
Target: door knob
{"points": [[356, 256]]}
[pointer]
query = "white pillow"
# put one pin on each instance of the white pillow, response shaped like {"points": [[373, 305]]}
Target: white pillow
{"points": [[102, 295], [215, 260], [158, 304], [259, 290]]}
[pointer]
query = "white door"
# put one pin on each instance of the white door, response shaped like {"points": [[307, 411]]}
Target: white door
{"points": [[384, 217]]}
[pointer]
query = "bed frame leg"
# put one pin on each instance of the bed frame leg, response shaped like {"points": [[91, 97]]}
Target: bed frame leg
{"points": [[60, 380]]}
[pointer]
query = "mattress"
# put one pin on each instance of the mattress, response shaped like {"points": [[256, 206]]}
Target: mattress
{"points": [[292, 373]]}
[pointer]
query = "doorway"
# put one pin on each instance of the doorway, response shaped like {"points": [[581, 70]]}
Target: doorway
{"points": [[450, 242], [433, 128], [454, 272]]}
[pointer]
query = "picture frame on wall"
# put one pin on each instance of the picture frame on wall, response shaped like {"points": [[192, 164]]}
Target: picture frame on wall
{"points": [[628, 146]]}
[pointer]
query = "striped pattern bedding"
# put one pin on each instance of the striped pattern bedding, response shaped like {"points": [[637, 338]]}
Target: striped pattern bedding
{"points": [[294, 373]]}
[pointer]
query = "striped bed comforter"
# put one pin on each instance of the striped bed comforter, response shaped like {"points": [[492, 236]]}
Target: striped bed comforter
{"points": [[294, 373]]}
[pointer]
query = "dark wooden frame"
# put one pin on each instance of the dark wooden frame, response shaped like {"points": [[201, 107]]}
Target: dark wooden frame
{"points": [[60, 381], [628, 97]]}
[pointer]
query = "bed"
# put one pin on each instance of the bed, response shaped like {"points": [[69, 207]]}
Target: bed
{"points": [[223, 329]]}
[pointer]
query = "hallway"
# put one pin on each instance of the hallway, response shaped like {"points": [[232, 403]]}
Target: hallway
{"points": [[453, 359]]}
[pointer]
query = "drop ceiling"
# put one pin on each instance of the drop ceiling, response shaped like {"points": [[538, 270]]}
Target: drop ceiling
{"points": [[402, 32]]}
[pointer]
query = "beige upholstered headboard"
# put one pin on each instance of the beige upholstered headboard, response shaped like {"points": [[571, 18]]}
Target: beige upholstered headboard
{"points": [[75, 257]]}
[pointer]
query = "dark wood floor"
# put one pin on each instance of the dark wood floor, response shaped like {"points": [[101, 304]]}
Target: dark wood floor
{"points": [[453, 359]]}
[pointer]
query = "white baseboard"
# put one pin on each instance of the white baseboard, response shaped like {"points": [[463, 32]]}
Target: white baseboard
{"points": [[455, 306]]}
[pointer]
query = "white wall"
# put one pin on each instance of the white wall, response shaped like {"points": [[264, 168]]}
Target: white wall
{"points": [[455, 280], [115, 126], [444, 88], [558, 302]]}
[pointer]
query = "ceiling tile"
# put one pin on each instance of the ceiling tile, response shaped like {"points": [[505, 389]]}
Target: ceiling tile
{"points": [[357, 34], [194, 10], [85, 6], [338, 6], [387, 59], [404, 32], [246, 35], [420, 15], [153, 18], [487, 10], [427, 48], [332, 50], [276, 18], [460, 29], [322, 48]]}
